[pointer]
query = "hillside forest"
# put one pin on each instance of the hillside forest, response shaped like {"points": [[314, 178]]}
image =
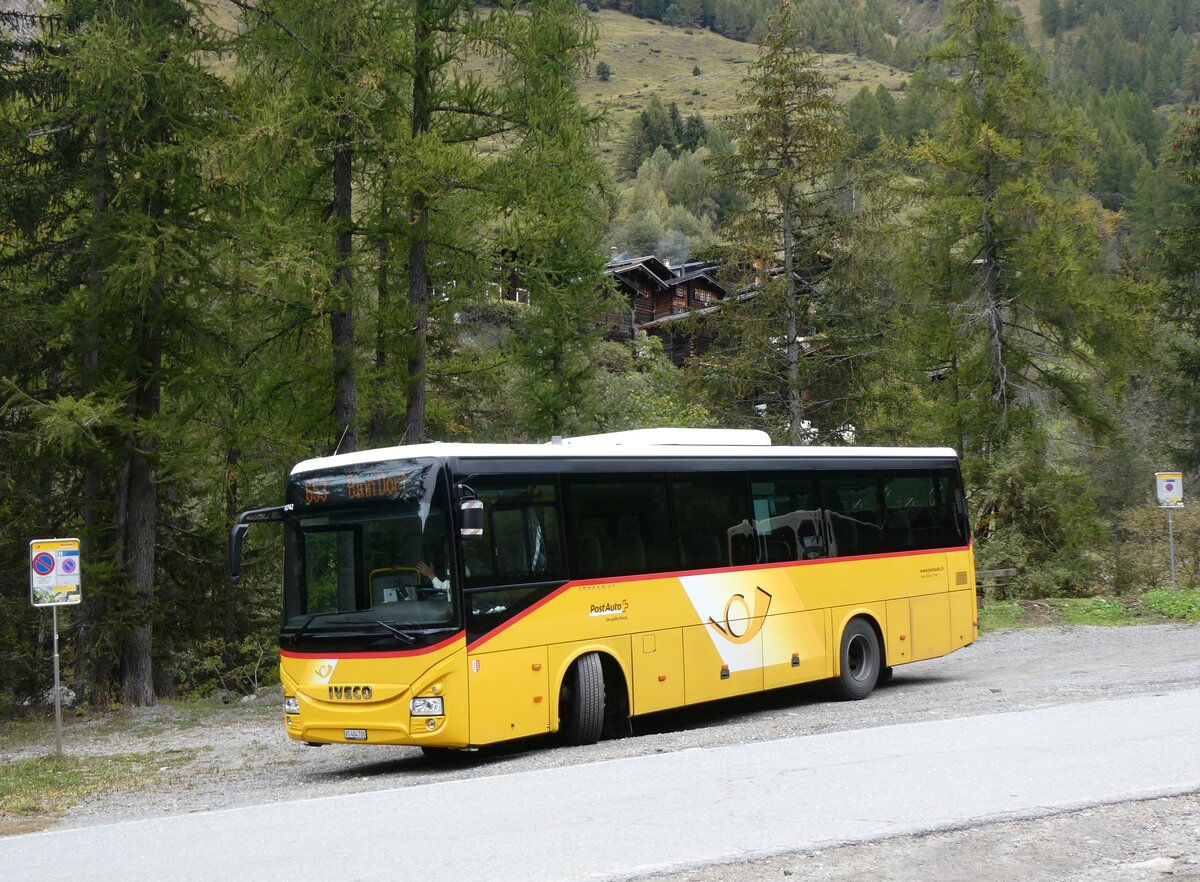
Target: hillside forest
{"points": [[236, 235]]}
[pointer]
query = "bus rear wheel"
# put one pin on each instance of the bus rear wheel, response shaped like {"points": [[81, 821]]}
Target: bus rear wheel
{"points": [[581, 701], [860, 661]]}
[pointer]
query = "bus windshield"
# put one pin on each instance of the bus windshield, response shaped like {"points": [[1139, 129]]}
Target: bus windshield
{"points": [[367, 553]]}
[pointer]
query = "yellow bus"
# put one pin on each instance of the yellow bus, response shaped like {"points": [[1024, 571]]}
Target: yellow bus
{"points": [[459, 595]]}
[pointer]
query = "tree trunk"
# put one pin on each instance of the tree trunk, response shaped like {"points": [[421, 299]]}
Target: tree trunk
{"points": [[341, 316], [94, 663], [141, 513], [993, 302], [379, 414], [795, 404]]}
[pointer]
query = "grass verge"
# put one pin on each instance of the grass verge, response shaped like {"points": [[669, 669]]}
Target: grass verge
{"points": [[1149, 608], [35, 792]]}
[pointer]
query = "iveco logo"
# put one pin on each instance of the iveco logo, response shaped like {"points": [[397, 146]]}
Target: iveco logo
{"points": [[350, 693]]}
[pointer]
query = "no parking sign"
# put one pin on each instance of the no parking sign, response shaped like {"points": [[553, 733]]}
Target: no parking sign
{"points": [[54, 572], [1169, 489]]}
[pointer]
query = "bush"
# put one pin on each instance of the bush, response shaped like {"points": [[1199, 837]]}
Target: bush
{"points": [[603, 71]]}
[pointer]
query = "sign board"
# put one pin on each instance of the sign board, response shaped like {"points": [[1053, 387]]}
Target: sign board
{"points": [[1169, 487], [54, 572]]}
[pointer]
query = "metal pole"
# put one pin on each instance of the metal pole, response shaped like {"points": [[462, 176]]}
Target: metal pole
{"points": [[57, 691], [1171, 540]]}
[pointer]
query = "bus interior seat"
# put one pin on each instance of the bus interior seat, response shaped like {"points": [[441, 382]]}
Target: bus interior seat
{"points": [[628, 553], [898, 530], [701, 552], [779, 548], [591, 559]]}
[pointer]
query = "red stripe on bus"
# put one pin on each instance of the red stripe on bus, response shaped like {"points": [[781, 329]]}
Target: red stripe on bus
{"points": [[675, 574], [401, 653]]}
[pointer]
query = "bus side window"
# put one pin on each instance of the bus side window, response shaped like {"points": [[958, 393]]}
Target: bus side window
{"points": [[950, 517], [619, 526], [910, 512], [787, 520], [522, 536], [852, 514], [709, 512]]}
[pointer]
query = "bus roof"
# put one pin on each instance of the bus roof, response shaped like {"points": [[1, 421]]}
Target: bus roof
{"points": [[638, 443]]}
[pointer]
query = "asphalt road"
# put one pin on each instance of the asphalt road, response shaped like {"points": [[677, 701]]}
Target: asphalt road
{"points": [[635, 816]]}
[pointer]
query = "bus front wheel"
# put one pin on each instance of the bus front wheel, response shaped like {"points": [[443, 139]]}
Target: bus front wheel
{"points": [[860, 661], [581, 701]]}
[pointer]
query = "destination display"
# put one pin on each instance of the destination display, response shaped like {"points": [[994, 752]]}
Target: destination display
{"points": [[386, 482]]}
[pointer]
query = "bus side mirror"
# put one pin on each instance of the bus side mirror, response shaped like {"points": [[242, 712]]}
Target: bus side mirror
{"points": [[471, 522], [237, 533]]}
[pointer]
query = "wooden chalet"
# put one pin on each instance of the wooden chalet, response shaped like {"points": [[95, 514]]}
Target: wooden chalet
{"points": [[655, 297]]}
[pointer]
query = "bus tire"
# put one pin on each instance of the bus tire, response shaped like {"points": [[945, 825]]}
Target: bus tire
{"points": [[581, 701], [859, 661]]}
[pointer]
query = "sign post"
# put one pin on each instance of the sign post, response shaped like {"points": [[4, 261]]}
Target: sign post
{"points": [[1169, 489], [54, 581]]}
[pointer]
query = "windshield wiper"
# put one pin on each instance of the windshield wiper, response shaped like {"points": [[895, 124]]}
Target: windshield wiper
{"points": [[403, 635]]}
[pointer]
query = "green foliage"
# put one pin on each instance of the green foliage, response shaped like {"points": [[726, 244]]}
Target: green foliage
{"points": [[1142, 558], [603, 71], [212, 666], [1182, 604], [1038, 517]]}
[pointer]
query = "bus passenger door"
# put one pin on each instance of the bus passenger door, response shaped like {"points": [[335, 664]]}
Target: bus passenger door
{"points": [[508, 694]]}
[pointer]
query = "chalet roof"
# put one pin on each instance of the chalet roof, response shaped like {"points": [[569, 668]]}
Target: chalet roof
{"points": [[665, 275]]}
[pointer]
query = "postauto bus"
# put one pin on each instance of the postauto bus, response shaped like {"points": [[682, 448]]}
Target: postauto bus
{"points": [[457, 595]]}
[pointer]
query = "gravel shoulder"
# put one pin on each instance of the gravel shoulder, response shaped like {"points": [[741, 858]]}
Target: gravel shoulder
{"points": [[242, 757]]}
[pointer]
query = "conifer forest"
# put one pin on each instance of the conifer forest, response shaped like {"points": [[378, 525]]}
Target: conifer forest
{"points": [[236, 234]]}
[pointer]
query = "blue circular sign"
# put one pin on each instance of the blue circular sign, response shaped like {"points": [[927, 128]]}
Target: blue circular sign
{"points": [[43, 563], [67, 565]]}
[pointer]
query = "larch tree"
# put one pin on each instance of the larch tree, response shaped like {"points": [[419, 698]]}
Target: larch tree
{"points": [[1018, 325], [789, 231], [550, 184], [113, 242]]}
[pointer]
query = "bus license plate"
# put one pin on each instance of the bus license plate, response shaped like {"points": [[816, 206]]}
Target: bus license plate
{"points": [[355, 734]]}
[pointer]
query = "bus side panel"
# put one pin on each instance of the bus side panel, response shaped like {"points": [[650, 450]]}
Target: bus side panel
{"points": [[963, 625], [734, 669], [657, 670], [795, 648], [899, 646], [964, 618], [509, 694], [930, 626]]}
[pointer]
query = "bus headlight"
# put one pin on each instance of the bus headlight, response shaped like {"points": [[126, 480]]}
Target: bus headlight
{"points": [[291, 704], [426, 707]]}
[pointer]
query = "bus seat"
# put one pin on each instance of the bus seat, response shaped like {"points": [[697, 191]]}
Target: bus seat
{"points": [[779, 549], [701, 552], [628, 553], [898, 530], [591, 559]]}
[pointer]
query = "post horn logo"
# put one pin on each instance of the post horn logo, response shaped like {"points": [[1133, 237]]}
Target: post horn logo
{"points": [[740, 624]]}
